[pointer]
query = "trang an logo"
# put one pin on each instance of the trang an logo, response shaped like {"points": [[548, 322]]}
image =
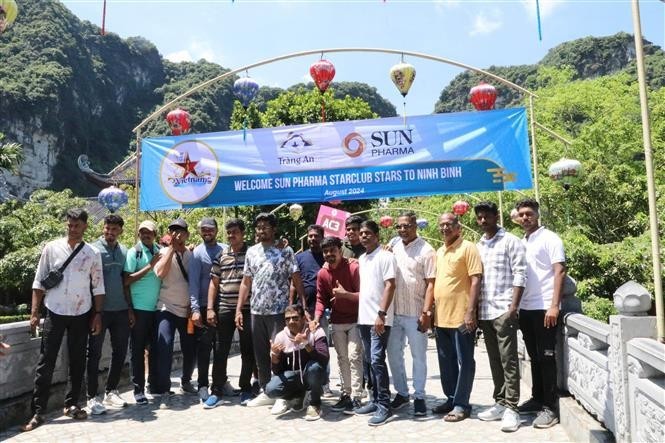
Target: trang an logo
{"points": [[293, 150], [382, 143], [189, 172]]}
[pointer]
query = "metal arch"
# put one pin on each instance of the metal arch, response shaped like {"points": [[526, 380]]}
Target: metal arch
{"points": [[331, 50]]}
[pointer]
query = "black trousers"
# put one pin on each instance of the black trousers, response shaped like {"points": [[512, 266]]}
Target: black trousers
{"points": [[205, 341], [540, 343], [117, 323], [226, 327], [55, 326]]}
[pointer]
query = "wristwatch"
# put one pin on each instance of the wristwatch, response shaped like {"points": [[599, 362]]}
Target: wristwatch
{"points": [[382, 313], [427, 313]]}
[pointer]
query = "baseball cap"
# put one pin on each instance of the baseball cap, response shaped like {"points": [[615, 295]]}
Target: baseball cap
{"points": [[178, 223], [208, 222], [149, 225]]}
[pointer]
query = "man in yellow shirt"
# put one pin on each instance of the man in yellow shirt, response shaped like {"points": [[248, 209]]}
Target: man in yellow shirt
{"points": [[456, 291]]}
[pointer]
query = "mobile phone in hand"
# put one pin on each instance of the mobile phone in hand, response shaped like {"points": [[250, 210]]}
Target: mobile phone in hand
{"points": [[463, 329]]}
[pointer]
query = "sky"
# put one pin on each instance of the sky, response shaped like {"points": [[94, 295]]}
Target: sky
{"points": [[479, 33]]}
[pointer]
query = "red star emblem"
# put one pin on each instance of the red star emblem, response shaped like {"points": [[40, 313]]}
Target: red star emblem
{"points": [[188, 165]]}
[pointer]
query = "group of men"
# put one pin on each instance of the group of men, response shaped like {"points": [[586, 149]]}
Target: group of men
{"points": [[376, 298]]}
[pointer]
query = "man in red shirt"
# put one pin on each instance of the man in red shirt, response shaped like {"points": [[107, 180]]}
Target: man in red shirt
{"points": [[337, 288]]}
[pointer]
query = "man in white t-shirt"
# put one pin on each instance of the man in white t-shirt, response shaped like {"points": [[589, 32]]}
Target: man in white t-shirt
{"points": [[539, 311], [375, 317]]}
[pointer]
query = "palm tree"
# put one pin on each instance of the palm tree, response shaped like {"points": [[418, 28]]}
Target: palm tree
{"points": [[11, 155]]}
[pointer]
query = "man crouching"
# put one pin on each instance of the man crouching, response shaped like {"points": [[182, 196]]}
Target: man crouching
{"points": [[299, 359]]}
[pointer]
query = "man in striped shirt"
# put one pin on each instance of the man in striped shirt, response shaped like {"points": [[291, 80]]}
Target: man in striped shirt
{"points": [[504, 278], [226, 275]]}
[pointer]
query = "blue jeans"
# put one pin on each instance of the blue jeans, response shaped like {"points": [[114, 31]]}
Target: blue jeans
{"points": [[142, 336], [374, 349], [404, 328], [289, 384], [456, 364], [166, 325], [117, 322]]}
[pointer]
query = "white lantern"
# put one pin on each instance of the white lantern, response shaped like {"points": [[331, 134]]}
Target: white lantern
{"points": [[567, 171], [295, 211]]}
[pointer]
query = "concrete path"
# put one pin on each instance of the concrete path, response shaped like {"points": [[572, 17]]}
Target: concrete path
{"points": [[186, 420]]}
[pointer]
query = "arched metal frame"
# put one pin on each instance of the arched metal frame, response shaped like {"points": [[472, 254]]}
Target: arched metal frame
{"points": [[137, 130]]}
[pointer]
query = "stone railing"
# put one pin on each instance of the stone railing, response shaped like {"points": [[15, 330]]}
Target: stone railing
{"points": [[617, 371]]}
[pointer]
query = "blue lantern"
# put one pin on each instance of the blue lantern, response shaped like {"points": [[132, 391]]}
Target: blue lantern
{"points": [[422, 223], [112, 198], [245, 90]]}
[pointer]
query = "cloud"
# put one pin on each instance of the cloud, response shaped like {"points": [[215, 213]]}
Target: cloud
{"points": [[195, 51], [547, 7], [440, 6], [486, 24]]}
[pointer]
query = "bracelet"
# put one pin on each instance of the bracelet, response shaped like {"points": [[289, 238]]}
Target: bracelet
{"points": [[210, 309], [98, 312]]}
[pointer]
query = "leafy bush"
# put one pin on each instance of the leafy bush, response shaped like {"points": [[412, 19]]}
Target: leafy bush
{"points": [[598, 308]]}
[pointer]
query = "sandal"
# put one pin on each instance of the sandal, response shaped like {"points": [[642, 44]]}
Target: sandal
{"points": [[456, 415], [35, 422], [76, 413]]}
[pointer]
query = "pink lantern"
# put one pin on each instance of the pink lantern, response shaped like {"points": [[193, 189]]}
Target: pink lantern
{"points": [[179, 121], [386, 221], [460, 207], [483, 96]]}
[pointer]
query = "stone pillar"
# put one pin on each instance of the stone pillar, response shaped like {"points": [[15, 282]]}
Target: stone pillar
{"points": [[633, 302], [569, 304]]}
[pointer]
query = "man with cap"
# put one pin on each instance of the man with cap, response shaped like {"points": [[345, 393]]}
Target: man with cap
{"points": [[199, 270], [143, 287], [173, 312]]}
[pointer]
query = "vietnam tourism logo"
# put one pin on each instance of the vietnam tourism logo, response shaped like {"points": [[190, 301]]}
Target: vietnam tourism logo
{"points": [[189, 172], [354, 144]]}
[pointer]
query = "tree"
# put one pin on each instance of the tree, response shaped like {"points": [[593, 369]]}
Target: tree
{"points": [[11, 155]]}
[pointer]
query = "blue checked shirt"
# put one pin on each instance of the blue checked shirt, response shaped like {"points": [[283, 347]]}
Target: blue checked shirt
{"points": [[504, 267]]}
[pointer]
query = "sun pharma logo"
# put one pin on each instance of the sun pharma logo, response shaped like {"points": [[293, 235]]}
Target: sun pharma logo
{"points": [[353, 145], [189, 172]]}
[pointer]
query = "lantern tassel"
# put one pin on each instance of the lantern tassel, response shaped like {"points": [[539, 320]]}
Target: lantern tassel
{"points": [[404, 112], [244, 127], [323, 110], [540, 32]]}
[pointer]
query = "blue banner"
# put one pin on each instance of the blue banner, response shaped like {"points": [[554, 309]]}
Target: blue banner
{"points": [[433, 154]]}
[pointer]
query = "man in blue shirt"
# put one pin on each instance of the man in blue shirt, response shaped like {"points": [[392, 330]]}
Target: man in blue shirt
{"points": [[117, 317], [199, 282]]}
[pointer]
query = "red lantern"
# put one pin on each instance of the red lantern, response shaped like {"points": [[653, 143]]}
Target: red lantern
{"points": [[386, 221], [460, 207], [483, 96], [322, 73], [179, 121]]}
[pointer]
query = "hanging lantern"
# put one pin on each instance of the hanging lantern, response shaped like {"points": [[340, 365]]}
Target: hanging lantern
{"points": [[245, 89], [322, 73], [567, 171], [483, 96], [403, 74], [460, 207], [112, 198], [295, 211], [8, 13], [515, 216], [386, 221], [179, 121], [422, 223]]}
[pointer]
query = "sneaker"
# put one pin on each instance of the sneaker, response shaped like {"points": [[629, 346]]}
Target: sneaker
{"points": [[228, 389], [443, 408], [313, 413], [204, 394], [493, 413], [379, 418], [186, 387], [545, 419], [114, 400], [140, 399], [369, 408], [327, 393], [212, 402], [165, 400], [298, 404], [531, 406], [399, 402], [256, 388], [352, 406], [280, 407], [510, 421], [419, 407], [343, 403], [260, 400], [96, 407], [245, 397]]}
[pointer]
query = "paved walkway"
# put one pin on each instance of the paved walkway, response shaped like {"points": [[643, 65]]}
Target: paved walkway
{"points": [[187, 420]]}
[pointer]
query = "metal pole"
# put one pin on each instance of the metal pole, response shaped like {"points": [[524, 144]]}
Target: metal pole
{"points": [[137, 181], [500, 208], [648, 162], [534, 151]]}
